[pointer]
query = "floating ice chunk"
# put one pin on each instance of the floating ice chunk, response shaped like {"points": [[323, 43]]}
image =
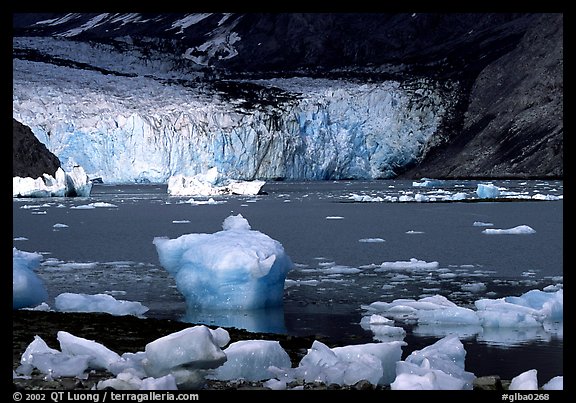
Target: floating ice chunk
{"points": [[250, 360], [525, 381], [236, 222], [429, 183], [482, 224], [458, 196], [103, 204], [371, 240], [211, 183], [69, 302], [487, 191], [58, 225], [382, 328], [520, 229], [339, 269], [365, 198], [449, 316], [379, 320], [473, 287], [532, 308], [77, 182], [334, 217], [43, 307], [237, 268], [245, 187], [28, 290], [412, 264], [72, 183], [556, 383], [410, 309]]}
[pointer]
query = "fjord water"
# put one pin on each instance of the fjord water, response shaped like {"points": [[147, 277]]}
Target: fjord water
{"points": [[335, 244]]}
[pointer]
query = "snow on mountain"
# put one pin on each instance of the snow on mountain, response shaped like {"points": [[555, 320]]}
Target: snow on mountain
{"points": [[140, 128]]}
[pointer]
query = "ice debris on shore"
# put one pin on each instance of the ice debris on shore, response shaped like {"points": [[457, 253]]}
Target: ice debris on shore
{"points": [[188, 358]]}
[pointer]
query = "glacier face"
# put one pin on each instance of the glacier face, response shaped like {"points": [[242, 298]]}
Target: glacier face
{"points": [[141, 127]]}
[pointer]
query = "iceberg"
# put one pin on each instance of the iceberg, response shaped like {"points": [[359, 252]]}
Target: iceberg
{"points": [[233, 269], [70, 184], [28, 289], [211, 183], [317, 129], [487, 191]]}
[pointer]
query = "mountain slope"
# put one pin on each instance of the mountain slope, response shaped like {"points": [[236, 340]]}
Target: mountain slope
{"points": [[30, 158], [513, 126]]}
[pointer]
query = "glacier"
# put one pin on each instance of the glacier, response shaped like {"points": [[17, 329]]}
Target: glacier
{"points": [[147, 121]]}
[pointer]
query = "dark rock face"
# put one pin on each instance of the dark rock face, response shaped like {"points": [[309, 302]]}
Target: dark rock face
{"points": [[508, 69], [513, 125], [440, 44], [30, 158]]}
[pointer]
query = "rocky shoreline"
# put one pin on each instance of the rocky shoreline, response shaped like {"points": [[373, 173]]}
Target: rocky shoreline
{"points": [[130, 334]]}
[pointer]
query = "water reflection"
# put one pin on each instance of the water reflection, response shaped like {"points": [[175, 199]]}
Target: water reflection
{"points": [[509, 337], [495, 336], [269, 320], [464, 332]]}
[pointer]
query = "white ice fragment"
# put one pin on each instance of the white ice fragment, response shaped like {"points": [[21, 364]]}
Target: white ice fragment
{"points": [[28, 290], [527, 380], [100, 356], [192, 348], [520, 229], [250, 360], [70, 302]]}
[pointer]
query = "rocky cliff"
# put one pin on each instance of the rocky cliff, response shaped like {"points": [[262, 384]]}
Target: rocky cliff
{"points": [[30, 158]]}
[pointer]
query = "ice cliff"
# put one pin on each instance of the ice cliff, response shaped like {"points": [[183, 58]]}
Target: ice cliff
{"points": [[137, 129]]}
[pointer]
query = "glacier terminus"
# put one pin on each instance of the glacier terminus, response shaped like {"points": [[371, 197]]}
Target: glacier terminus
{"points": [[141, 127]]}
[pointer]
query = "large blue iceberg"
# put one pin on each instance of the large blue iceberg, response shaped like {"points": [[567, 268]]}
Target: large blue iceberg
{"points": [[233, 269]]}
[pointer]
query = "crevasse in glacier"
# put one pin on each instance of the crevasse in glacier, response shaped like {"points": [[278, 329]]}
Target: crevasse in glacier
{"points": [[139, 128]]}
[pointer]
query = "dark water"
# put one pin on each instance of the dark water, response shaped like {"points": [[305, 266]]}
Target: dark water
{"points": [[109, 249]]}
